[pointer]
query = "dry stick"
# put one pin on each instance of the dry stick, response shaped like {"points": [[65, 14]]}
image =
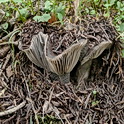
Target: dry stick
{"points": [[50, 97], [7, 36], [66, 119], [6, 62], [59, 44], [10, 111], [105, 33], [5, 43], [121, 102], [90, 36], [56, 112], [30, 100], [87, 100], [8, 120]]}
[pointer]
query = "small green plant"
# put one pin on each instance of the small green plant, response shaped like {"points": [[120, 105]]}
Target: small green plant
{"points": [[43, 18], [95, 101], [48, 120], [51, 8], [110, 9], [19, 9]]}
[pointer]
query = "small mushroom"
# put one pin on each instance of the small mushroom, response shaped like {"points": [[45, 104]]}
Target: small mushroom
{"points": [[35, 51], [96, 51], [84, 69], [63, 63]]}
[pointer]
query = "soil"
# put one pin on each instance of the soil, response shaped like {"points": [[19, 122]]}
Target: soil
{"points": [[21, 81]]}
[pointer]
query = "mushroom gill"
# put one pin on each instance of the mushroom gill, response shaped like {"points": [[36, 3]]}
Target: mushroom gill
{"points": [[35, 52], [63, 63]]}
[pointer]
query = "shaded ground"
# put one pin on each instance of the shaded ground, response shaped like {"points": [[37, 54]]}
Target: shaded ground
{"points": [[100, 101]]}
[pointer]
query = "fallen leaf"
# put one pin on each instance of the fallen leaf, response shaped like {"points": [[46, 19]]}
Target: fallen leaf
{"points": [[9, 71]]}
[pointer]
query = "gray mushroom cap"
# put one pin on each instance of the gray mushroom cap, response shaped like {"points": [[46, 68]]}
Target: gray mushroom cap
{"points": [[66, 61], [63, 63], [96, 51], [35, 52], [84, 69]]}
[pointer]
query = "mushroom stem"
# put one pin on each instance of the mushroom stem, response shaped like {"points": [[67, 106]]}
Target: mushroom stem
{"points": [[65, 78]]}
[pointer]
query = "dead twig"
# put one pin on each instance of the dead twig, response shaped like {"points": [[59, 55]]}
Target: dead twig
{"points": [[10, 111], [8, 43]]}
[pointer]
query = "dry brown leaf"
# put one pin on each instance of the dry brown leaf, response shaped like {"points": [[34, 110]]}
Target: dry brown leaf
{"points": [[9, 71]]}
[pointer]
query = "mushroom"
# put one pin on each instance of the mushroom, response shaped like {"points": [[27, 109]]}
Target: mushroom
{"points": [[84, 68], [35, 51], [63, 63]]}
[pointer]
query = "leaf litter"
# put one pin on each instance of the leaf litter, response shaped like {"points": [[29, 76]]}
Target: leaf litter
{"points": [[30, 95]]}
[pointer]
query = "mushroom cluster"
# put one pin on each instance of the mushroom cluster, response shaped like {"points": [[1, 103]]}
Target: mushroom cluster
{"points": [[40, 53]]}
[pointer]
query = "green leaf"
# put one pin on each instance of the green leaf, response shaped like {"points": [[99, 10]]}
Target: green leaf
{"points": [[95, 103], [60, 8], [107, 5], [94, 92], [5, 26], [18, 1], [121, 27], [118, 4], [43, 18], [112, 2], [123, 53], [4, 1], [92, 12], [122, 9], [7, 14], [38, 18], [96, 1], [46, 17], [60, 17], [107, 14], [24, 12], [48, 5]]}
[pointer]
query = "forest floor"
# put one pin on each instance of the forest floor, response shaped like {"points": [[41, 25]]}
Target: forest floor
{"points": [[30, 94]]}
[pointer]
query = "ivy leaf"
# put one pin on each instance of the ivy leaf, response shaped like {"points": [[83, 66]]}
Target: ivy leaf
{"points": [[43, 18], [38, 18], [112, 2], [118, 4], [24, 12], [46, 17], [92, 12], [48, 5], [60, 8], [107, 5], [121, 27], [60, 17]]}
